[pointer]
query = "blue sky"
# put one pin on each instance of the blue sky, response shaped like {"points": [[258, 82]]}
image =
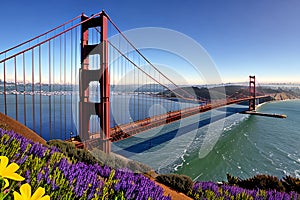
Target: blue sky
{"points": [[242, 37]]}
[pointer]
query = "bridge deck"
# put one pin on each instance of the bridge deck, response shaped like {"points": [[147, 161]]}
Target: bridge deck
{"points": [[124, 131]]}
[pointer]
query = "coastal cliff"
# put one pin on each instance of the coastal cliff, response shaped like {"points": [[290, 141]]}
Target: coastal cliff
{"points": [[284, 96]]}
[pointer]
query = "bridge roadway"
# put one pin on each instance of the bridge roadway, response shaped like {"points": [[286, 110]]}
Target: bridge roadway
{"points": [[124, 131]]}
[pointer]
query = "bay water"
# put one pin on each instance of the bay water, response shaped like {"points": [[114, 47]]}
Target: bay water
{"points": [[253, 145], [238, 144]]}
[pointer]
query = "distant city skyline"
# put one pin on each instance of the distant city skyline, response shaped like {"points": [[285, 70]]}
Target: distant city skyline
{"points": [[242, 37]]}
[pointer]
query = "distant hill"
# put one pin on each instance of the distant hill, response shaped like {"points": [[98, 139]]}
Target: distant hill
{"points": [[233, 92], [198, 93]]}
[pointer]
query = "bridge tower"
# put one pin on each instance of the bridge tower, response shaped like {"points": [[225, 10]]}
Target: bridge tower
{"points": [[86, 75], [252, 92]]}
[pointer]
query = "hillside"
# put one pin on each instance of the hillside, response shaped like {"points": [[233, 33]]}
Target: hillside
{"points": [[233, 92], [11, 124]]}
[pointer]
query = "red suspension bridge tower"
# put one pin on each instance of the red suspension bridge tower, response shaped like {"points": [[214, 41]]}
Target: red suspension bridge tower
{"points": [[87, 108], [252, 92]]}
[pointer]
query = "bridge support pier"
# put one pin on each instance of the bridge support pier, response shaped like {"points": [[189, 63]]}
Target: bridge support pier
{"points": [[252, 92], [87, 108]]}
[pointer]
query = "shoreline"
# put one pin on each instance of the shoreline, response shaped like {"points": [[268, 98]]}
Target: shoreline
{"points": [[274, 101]]}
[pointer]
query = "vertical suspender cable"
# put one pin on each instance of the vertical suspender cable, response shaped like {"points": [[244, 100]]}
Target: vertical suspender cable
{"points": [[122, 67], [4, 88], [126, 92], [134, 96], [152, 95], [144, 112], [65, 106], [71, 83], [160, 99], [60, 82], [54, 96], [24, 93], [138, 94], [75, 70], [40, 80], [111, 78], [125, 78], [50, 120], [32, 84], [119, 64], [16, 86]]}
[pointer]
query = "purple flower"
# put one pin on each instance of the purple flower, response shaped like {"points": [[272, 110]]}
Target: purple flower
{"points": [[40, 176], [27, 176], [22, 160], [53, 185]]}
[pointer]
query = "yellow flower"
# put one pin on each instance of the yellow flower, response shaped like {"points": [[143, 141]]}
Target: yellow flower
{"points": [[25, 190], [9, 171]]}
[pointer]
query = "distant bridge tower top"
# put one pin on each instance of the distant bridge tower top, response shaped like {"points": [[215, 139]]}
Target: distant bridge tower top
{"points": [[252, 92]]}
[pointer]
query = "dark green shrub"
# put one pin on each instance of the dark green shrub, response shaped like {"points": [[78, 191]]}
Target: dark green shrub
{"points": [[291, 184], [232, 180], [71, 151], [180, 183], [265, 182], [261, 181]]}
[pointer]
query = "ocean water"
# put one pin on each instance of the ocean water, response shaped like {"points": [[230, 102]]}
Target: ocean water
{"points": [[234, 143], [164, 148], [251, 146], [204, 146]]}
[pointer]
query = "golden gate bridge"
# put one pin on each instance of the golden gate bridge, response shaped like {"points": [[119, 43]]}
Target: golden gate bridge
{"points": [[78, 54]]}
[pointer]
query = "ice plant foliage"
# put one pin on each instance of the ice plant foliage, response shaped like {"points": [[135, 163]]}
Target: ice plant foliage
{"points": [[8, 172], [25, 191]]}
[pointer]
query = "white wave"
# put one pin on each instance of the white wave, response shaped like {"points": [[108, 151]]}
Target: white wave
{"points": [[233, 121], [177, 166], [284, 172], [294, 157], [196, 178]]}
